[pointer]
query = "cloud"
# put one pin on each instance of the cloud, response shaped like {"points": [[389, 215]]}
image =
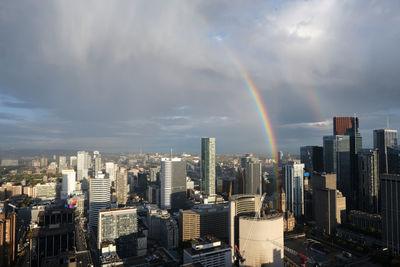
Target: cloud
{"points": [[157, 74]]}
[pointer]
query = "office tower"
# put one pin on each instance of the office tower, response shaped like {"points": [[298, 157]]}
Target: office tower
{"points": [[117, 226], [73, 162], [43, 162], [252, 178], [163, 228], [393, 156], [205, 219], [82, 165], [154, 173], [313, 158], [337, 159], [329, 205], [207, 166], [68, 183], [62, 163], [294, 188], [173, 183], [99, 197], [341, 125], [122, 186], [7, 239], [141, 186], [384, 138], [261, 240], [368, 187], [111, 170], [208, 251], [97, 161], [280, 157], [240, 205], [390, 196]]}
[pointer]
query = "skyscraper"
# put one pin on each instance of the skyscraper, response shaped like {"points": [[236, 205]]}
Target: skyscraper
{"points": [[122, 186], [99, 197], [253, 177], [173, 183], [390, 195], [111, 170], [312, 157], [341, 125], [384, 138], [97, 161], [82, 165], [368, 171], [62, 163], [294, 188], [68, 183], [207, 168], [7, 239]]}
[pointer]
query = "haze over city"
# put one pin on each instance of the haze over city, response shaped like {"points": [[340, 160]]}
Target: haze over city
{"points": [[120, 75]]}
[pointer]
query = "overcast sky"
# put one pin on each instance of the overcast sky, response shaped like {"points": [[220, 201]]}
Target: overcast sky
{"points": [[119, 75]]}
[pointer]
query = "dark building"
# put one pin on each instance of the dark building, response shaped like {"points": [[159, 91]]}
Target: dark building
{"points": [[390, 195], [252, 174], [384, 138], [7, 239], [393, 156], [53, 242], [313, 158], [341, 125], [368, 186]]}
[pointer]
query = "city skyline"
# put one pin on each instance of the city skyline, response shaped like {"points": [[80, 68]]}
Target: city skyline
{"points": [[123, 76]]}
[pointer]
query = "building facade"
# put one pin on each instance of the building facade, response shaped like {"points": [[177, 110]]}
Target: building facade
{"points": [[68, 183], [173, 183], [207, 166], [368, 186], [384, 138], [294, 188], [313, 158], [99, 198]]}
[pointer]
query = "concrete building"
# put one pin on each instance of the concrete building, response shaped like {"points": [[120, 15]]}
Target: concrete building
{"points": [[313, 158], [384, 138], [368, 186], [47, 191], [82, 165], [99, 198], [329, 203], [365, 221], [118, 226], [163, 228], [73, 162], [240, 205], [62, 163], [205, 219], [294, 188], [111, 169], [68, 183], [390, 195], [154, 173], [122, 187], [261, 240], [97, 161], [252, 177], [7, 239], [208, 251], [207, 166], [173, 184]]}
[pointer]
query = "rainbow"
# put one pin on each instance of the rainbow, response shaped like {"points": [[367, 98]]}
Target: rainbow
{"points": [[255, 95]]}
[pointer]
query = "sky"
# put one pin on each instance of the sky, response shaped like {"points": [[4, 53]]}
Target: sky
{"points": [[153, 75]]}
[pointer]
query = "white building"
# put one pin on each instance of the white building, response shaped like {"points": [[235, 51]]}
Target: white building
{"points": [[68, 183], [62, 163], [294, 188], [111, 170], [173, 183], [99, 197], [82, 165], [73, 161], [207, 166]]}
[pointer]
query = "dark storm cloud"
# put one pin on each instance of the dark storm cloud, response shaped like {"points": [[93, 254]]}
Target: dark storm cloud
{"points": [[119, 75]]}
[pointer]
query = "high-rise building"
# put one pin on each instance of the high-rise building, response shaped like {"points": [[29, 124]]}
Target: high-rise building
{"points": [[253, 177], [207, 167], [122, 186], [390, 195], [82, 165], [393, 156], [313, 158], [62, 163], [111, 170], [68, 183], [99, 198], [97, 161], [118, 226], [368, 171], [73, 162], [329, 205], [294, 188], [341, 125], [384, 138], [240, 205], [163, 228], [173, 183], [261, 240], [154, 172], [43, 162], [7, 239]]}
